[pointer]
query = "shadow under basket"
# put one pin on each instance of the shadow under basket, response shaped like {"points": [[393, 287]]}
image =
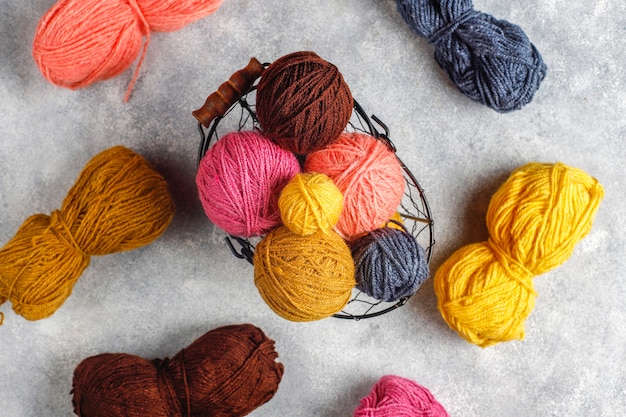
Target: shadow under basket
{"points": [[414, 209]]}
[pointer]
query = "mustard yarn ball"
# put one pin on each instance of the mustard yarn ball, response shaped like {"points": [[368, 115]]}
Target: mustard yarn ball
{"points": [[118, 202], [310, 202], [304, 278], [535, 219]]}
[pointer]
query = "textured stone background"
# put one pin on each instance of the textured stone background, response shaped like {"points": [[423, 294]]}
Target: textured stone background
{"points": [[155, 300]]}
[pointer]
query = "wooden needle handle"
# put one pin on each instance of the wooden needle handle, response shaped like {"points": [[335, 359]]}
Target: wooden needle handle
{"points": [[229, 92]]}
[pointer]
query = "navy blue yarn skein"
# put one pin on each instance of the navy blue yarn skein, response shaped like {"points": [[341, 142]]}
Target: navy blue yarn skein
{"points": [[389, 264], [491, 61]]}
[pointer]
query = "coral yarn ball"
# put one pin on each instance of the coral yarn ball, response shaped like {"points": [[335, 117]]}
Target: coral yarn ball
{"points": [[310, 202], [172, 15], [239, 180], [395, 396], [80, 42], [73, 49], [303, 102], [368, 174], [304, 278]]}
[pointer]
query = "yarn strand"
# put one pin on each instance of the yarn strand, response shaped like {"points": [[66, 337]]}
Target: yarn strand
{"points": [[165, 387], [133, 4]]}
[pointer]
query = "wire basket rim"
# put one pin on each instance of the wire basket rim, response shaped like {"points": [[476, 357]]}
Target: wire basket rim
{"points": [[246, 250]]}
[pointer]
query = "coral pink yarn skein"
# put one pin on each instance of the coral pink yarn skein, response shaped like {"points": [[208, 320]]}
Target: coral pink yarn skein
{"points": [[240, 179], [394, 396], [368, 174], [79, 42]]}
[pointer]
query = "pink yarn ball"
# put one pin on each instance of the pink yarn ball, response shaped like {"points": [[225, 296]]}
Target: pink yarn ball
{"points": [[240, 179], [368, 174], [394, 396]]}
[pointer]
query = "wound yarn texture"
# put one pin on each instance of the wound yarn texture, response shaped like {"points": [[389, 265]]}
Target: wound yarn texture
{"points": [[78, 42], [303, 102], [395, 396], [240, 179], [228, 372], [304, 278], [490, 61], [368, 174], [389, 264], [535, 219], [119, 202], [310, 202]]}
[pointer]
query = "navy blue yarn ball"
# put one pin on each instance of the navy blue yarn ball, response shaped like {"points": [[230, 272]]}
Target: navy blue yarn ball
{"points": [[389, 264], [491, 61]]}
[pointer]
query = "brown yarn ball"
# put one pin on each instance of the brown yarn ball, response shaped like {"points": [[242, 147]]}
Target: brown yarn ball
{"points": [[303, 102], [228, 372]]}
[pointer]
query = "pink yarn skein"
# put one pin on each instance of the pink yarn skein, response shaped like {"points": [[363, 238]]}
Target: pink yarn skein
{"points": [[239, 180], [394, 396]]}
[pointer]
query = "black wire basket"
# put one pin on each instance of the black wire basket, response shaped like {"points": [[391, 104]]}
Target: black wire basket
{"points": [[237, 102]]}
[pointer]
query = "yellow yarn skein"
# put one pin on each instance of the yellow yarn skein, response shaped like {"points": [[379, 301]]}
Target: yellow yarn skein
{"points": [[119, 202], [304, 278], [535, 219], [310, 202]]}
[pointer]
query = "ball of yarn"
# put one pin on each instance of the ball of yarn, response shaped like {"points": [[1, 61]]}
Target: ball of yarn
{"points": [[485, 290], [80, 42], [119, 202], [303, 102], [389, 264], [490, 61], [310, 202], [303, 278], [239, 180], [228, 372], [395, 396], [368, 174]]}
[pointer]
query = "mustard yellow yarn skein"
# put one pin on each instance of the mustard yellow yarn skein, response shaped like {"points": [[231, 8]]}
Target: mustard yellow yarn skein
{"points": [[119, 202], [304, 278], [310, 202], [485, 290]]}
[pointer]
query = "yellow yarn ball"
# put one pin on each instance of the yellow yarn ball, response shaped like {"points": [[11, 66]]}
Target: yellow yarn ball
{"points": [[480, 299], [485, 290], [310, 202], [304, 278]]}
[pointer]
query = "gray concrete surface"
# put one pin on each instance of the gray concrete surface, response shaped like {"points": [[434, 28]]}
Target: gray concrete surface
{"points": [[155, 300]]}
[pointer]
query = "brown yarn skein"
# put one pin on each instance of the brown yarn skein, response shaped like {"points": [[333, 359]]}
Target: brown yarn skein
{"points": [[119, 202], [228, 372], [303, 102]]}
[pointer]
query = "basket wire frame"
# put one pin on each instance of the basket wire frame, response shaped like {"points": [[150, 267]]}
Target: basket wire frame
{"points": [[414, 209]]}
